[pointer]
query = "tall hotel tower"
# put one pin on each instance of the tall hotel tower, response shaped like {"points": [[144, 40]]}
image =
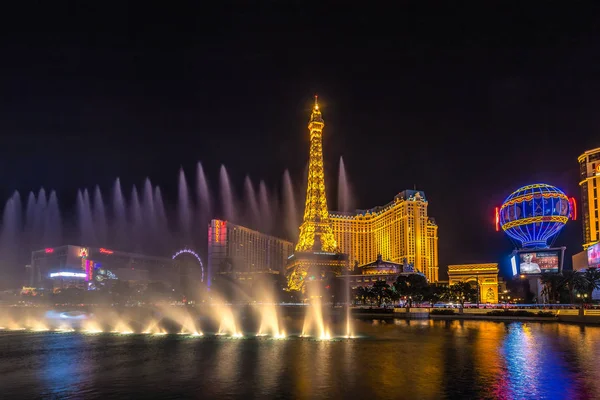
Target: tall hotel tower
{"points": [[316, 257], [400, 231], [589, 180]]}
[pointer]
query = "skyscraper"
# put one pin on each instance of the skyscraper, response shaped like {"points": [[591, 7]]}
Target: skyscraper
{"points": [[398, 231], [589, 180], [316, 257], [240, 253]]}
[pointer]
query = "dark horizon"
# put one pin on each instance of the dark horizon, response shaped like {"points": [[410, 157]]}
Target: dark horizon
{"points": [[467, 103]]}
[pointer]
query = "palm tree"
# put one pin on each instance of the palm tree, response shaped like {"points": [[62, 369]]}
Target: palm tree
{"points": [[553, 283], [463, 291], [574, 281], [592, 276]]}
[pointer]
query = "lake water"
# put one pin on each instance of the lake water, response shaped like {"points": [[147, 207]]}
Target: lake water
{"points": [[399, 359]]}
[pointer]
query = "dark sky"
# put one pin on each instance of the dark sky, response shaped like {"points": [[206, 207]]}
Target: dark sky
{"points": [[466, 103]]}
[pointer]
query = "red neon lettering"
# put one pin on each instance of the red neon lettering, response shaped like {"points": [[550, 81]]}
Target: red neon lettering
{"points": [[573, 208], [497, 220]]}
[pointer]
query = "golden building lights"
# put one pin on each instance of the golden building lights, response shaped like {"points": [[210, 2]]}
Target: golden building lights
{"points": [[316, 224], [399, 231], [589, 180]]}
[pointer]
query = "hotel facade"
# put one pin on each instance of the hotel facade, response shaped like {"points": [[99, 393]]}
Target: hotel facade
{"points": [[240, 253], [589, 181], [400, 231]]}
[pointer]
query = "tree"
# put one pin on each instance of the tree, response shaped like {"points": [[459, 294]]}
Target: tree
{"points": [[592, 276], [380, 292], [463, 291], [574, 281], [553, 283], [413, 286], [401, 285], [437, 293], [361, 293], [417, 287]]}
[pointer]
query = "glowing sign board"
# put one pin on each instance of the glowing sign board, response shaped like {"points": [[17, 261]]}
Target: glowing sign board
{"points": [[537, 262], [68, 275], [593, 255]]}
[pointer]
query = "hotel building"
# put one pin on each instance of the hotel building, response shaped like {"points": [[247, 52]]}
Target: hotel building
{"points": [[400, 231], [240, 253], [589, 180], [76, 266]]}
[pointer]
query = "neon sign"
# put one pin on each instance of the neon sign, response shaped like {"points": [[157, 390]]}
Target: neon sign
{"points": [[573, 205], [49, 250], [68, 274], [217, 230], [497, 220], [105, 251], [89, 267], [83, 253]]}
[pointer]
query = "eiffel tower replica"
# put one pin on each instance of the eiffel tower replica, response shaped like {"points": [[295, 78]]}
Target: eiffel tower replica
{"points": [[315, 258]]}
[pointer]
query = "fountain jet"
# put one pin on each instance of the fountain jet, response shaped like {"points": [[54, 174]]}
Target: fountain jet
{"points": [[344, 197], [290, 212], [226, 195], [183, 207], [253, 216]]}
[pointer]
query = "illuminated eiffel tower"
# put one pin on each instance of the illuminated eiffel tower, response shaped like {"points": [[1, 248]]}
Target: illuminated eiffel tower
{"points": [[316, 256], [316, 233]]}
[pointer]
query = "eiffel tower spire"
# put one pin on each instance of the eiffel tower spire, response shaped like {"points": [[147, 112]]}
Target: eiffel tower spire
{"points": [[316, 233]]}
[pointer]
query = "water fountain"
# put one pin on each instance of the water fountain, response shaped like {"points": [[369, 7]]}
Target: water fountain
{"points": [[314, 321], [84, 217], [119, 216], [344, 198], [222, 313], [270, 321], [265, 208], [290, 212], [137, 221], [141, 224], [204, 208], [183, 208], [52, 221], [182, 318], [98, 216], [253, 213], [151, 239], [227, 200]]}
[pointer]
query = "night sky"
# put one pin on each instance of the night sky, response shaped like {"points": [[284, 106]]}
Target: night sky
{"points": [[468, 104]]}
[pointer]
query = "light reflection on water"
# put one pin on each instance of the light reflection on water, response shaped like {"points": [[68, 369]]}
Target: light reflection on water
{"points": [[408, 359]]}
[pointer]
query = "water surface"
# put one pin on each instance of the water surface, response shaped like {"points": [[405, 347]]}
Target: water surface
{"points": [[402, 359]]}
